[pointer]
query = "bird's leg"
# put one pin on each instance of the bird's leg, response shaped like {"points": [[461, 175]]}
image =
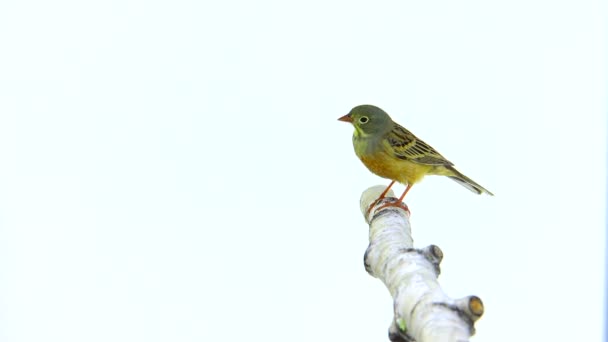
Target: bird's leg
{"points": [[399, 202], [380, 197], [385, 191], [407, 188]]}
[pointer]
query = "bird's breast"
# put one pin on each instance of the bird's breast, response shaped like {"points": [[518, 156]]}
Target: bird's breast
{"points": [[391, 167]]}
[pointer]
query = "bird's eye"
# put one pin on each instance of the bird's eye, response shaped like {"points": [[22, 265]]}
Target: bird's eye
{"points": [[363, 119]]}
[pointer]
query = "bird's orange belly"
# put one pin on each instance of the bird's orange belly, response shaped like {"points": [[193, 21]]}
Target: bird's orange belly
{"points": [[403, 171]]}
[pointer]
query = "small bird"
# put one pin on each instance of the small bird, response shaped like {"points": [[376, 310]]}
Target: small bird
{"points": [[391, 151]]}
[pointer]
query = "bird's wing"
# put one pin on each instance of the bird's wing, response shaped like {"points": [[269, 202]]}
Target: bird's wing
{"points": [[405, 145]]}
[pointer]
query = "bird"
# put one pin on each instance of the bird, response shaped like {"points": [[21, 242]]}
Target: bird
{"points": [[390, 151]]}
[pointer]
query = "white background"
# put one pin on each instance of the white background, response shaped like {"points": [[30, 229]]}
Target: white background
{"points": [[174, 170]]}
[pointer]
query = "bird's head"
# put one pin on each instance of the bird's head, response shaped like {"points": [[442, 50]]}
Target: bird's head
{"points": [[368, 120]]}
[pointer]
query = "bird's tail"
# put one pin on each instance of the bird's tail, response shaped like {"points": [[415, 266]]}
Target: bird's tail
{"points": [[467, 182]]}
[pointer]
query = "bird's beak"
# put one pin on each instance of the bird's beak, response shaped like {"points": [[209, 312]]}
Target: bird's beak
{"points": [[346, 118]]}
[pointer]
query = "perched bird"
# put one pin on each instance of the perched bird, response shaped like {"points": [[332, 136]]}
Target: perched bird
{"points": [[391, 151]]}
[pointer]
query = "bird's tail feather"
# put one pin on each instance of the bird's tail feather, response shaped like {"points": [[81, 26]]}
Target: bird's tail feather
{"points": [[468, 182]]}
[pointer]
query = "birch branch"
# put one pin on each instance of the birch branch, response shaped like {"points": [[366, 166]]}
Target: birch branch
{"points": [[422, 311]]}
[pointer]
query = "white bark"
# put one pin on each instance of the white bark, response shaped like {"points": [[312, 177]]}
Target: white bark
{"points": [[423, 312]]}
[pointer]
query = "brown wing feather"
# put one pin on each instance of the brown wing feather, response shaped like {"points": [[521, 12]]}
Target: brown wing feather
{"points": [[405, 145]]}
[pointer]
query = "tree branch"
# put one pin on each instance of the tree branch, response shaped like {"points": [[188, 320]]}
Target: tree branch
{"points": [[423, 312]]}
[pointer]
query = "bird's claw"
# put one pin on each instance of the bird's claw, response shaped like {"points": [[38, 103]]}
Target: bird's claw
{"points": [[369, 209], [392, 203], [397, 204]]}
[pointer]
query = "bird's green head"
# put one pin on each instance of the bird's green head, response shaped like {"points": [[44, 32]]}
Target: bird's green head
{"points": [[368, 120]]}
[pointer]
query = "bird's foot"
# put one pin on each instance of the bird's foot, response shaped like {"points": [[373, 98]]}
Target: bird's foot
{"points": [[397, 204], [369, 209], [393, 203], [382, 195]]}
